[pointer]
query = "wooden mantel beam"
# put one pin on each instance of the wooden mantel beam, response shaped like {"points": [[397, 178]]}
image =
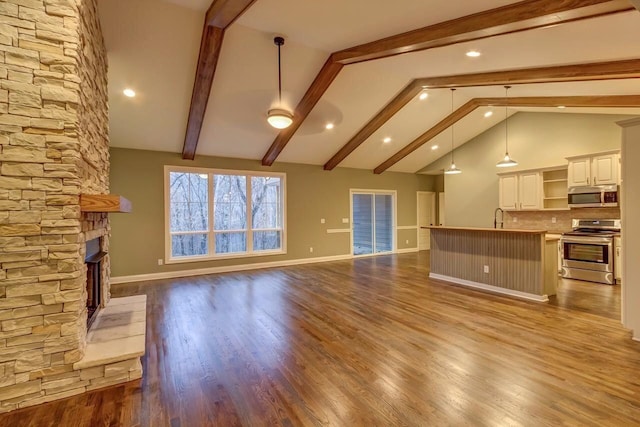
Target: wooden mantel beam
{"points": [[220, 15], [610, 70], [521, 16], [609, 101]]}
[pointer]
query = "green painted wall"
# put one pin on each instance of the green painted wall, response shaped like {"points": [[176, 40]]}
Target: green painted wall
{"points": [[536, 140], [137, 239]]}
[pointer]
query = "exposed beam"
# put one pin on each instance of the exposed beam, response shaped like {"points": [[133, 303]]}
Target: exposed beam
{"points": [[610, 70], [609, 101], [220, 15], [395, 105], [210, 47], [323, 80], [521, 16]]}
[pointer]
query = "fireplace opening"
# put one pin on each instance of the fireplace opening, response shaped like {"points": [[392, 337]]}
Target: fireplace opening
{"points": [[93, 260]]}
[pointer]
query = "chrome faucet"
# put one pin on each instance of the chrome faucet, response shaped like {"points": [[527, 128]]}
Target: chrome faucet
{"points": [[495, 218]]}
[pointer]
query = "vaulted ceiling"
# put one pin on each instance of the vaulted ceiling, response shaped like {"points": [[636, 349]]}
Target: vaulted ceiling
{"points": [[153, 48]]}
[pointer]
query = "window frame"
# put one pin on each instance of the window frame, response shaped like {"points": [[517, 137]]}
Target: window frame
{"points": [[211, 231]]}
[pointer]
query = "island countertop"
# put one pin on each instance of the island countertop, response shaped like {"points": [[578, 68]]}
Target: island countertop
{"points": [[500, 230]]}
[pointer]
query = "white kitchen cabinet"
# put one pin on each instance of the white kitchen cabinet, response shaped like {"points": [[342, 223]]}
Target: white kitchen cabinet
{"points": [[520, 191], [509, 192], [596, 169], [529, 191], [617, 259]]}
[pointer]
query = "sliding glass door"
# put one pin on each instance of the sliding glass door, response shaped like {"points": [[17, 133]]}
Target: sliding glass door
{"points": [[372, 215]]}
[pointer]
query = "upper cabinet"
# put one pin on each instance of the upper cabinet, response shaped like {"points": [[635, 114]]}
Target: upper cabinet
{"points": [[538, 189], [520, 191], [596, 169]]}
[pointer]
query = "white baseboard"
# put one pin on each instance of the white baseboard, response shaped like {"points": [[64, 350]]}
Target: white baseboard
{"points": [[225, 269], [406, 250], [491, 288]]}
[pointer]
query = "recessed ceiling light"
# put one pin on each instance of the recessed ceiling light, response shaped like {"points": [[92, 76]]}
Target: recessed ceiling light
{"points": [[561, 106], [424, 95], [130, 93], [329, 126], [473, 54], [434, 147], [386, 140], [488, 114]]}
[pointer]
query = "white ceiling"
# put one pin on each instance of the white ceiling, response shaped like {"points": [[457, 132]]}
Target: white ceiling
{"points": [[153, 48]]}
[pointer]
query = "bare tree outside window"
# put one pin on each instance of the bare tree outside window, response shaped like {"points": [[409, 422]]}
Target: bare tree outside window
{"points": [[189, 215], [236, 221]]}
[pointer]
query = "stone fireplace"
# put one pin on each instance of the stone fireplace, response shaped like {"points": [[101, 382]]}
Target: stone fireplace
{"points": [[54, 146]]}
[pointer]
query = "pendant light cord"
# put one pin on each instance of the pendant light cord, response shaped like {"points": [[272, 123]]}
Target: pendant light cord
{"points": [[506, 119], [452, 135], [279, 76]]}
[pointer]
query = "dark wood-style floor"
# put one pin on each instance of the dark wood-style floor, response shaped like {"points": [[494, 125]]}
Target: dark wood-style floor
{"points": [[370, 342]]}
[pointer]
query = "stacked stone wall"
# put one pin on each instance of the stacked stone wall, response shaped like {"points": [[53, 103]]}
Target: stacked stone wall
{"points": [[53, 147]]}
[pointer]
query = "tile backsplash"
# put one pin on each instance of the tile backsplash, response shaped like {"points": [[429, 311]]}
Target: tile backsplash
{"points": [[543, 220]]}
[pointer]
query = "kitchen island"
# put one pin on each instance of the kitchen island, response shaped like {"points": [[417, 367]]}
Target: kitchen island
{"points": [[520, 263]]}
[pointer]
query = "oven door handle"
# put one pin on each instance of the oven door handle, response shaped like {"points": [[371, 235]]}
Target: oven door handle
{"points": [[587, 239]]}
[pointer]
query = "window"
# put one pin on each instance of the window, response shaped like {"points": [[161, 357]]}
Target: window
{"points": [[218, 213]]}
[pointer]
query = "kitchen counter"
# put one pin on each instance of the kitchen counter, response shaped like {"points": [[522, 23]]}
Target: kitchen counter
{"points": [[519, 263], [497, 230]]}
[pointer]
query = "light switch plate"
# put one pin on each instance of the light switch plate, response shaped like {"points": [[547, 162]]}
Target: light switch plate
{"points": [[322, 221], [345, 220]]}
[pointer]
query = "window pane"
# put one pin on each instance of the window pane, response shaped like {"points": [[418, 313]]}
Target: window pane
{"points": [[231, 242], [230, 202], [188, 245], [266, 202], [189, 200], [266, 240]]}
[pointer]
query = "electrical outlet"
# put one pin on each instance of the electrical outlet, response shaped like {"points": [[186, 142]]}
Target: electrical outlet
{"points": [[486, 269], [553, 220], [345, 220], [406, 241], [160, 262], [311, 249], [515, 219], [322, 221]]}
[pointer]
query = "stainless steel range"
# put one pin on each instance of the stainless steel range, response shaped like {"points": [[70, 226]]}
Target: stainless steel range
{"points": [[587, 251]]}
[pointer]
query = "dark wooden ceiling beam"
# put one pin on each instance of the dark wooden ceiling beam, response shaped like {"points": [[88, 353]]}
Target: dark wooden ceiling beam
{"points": [[610, 70], [220, 15], [323, 80], [521, 16], [608, 101], [395, 105]]}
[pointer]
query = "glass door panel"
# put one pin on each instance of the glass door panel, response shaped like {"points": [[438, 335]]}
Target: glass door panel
{"points": [[383, 216], [362, 224]]}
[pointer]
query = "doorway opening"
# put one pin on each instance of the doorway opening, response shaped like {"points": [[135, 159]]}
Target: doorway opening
{"points": [[426, 217]]}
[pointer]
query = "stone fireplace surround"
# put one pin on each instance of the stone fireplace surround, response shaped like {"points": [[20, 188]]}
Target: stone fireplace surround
{"points": [[54, 146]]}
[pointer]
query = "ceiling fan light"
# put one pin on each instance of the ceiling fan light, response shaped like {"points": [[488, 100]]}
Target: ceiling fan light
{"points": [[279, 118], [507, 162], [452, 170]]}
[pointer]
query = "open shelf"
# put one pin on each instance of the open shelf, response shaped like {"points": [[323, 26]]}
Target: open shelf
{"points": [[554, 187]]}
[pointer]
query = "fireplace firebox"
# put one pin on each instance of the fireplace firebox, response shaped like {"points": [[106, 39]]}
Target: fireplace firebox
{"points": [[93, 260]]}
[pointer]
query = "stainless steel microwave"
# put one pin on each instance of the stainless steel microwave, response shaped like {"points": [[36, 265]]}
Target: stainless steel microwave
{"points": [[600, 196]]}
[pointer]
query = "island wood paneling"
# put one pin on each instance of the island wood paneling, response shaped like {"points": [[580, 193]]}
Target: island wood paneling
{"points": [[515, 259]]}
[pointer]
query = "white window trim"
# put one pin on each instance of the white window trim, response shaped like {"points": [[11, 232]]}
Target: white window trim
{"points": [[168, 259]]}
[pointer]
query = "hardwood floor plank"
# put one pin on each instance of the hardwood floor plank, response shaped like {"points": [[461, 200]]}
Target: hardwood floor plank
{"points": [[366, 342]]}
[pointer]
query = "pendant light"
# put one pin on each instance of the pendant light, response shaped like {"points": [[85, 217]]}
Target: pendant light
{"points": [[453, 169], [507, 161], [279, 118]]}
